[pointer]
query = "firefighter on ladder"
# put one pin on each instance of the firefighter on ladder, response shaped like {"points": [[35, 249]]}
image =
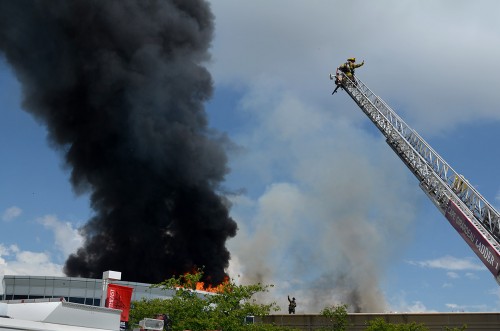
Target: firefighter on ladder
{"points": [[348, 69]]}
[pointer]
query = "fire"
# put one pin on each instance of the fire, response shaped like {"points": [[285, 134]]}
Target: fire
{"points": [[191, 280], [200, 286]]}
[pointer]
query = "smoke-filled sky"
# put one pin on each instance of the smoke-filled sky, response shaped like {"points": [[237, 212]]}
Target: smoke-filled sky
{"points": [[121, 87], [326, 211]]}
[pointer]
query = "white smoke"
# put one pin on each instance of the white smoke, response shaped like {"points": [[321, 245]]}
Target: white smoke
{"points": [[325, 232]]}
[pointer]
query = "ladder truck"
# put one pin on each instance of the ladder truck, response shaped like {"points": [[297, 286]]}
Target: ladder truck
{"points": [[472, 216]]}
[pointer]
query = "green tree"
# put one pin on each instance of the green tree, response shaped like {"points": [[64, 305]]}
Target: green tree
{"points": [[338, 318], [190, 310]]}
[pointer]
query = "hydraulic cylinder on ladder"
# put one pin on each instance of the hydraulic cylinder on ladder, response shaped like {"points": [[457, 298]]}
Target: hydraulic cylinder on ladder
{"points": [[467, 211]]}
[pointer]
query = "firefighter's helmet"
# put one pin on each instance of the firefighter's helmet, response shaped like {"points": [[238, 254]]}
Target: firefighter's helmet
{"points": [[351, 59]]}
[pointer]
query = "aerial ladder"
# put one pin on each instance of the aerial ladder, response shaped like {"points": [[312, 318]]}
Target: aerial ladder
{"points": [[472, 216]]}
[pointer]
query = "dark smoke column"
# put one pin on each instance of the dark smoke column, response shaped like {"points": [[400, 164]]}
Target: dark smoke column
{"points": [[121, 86]]}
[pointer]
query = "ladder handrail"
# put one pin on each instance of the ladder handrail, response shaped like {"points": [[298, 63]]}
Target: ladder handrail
{"points": [[456, 184]]}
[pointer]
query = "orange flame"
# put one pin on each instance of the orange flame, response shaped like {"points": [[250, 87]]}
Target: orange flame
{"points": [[200, 286]]}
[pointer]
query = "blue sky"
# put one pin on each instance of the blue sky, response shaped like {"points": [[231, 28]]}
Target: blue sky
{"points": [[326, 207]]}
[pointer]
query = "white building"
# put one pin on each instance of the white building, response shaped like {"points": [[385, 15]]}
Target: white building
{"points": [[39, 303], [77, 290]]}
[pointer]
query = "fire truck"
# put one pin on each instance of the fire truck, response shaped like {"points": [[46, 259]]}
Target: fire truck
{"points": [[472, 216]]}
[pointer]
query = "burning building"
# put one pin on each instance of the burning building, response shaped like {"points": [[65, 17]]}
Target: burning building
{"points": [[121, 87]]}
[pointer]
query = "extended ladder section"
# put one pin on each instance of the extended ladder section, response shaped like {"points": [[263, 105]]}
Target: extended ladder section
{"points": [[467, 211]]}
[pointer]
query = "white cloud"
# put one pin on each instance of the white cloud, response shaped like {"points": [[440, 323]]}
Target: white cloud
{"points": [[399, 304], [471, 275], [429, 80], [417, 307], [14, 261], [67, 239], [11, 213], [452, 274], [449, 263]]}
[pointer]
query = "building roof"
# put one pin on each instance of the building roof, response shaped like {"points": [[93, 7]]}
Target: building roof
{"points": [[55, 316]]}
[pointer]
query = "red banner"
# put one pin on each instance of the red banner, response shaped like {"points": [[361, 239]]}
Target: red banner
{"points": [[119, 297]]}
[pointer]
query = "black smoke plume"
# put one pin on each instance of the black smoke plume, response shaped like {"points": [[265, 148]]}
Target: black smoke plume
{"points": [[121, 86]]}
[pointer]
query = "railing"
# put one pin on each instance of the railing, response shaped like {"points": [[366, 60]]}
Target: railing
{"points": [[440, 180]]}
